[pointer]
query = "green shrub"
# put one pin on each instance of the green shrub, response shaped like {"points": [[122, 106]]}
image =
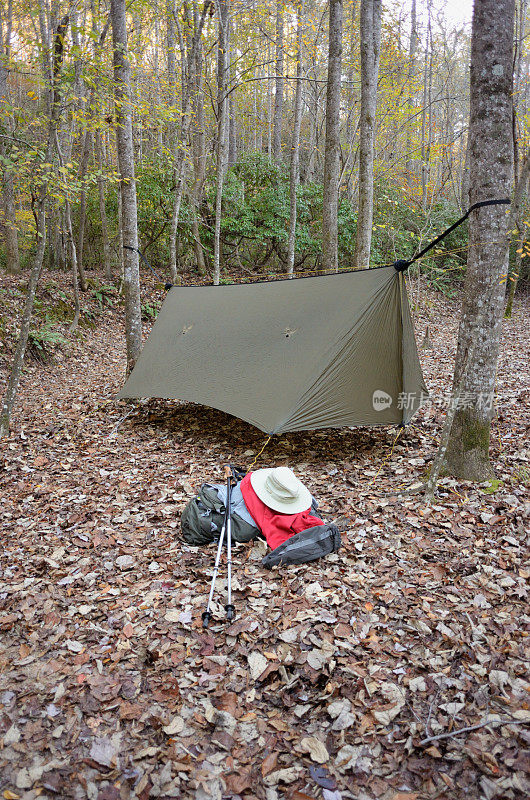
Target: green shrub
{"points": [[149, 311], [105, 296], [41, 342]]}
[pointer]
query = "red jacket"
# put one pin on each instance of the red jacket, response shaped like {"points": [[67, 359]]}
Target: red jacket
{"points": [[276, 527]]}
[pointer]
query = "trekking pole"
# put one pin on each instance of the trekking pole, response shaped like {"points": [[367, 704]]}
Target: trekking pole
{"points": [[207, 614], [230, 610]]}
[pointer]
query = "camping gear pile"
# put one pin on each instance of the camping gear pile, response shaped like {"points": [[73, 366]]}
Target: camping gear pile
{"points": [[269, 503]]}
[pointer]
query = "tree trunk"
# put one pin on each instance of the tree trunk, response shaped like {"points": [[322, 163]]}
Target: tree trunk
{"points": [[175, 214], [232, 134], [198, 138], [8, 401], [87, 146], [310, 166], [9, 223], [70, 241], [52, 74], [278, 96], [520, 31], [370, 49], [172, 72], [330, 253], [222, 115], [352, 118], [174, 145], [188, 84], [490, 167], [269, 103], [256, 126], [464, 185], [425, 112], [295, 146], [107, 257], [426, 155], [10, 231], [83, 168], [411, 75], [121, 249], [521, 185], [124, 146]]}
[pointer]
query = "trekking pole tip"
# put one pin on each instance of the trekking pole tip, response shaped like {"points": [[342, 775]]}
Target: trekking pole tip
{"points": [[230, 611], [205, 619]]}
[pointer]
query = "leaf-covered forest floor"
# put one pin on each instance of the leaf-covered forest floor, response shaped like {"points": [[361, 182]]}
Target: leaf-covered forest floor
{"points": [[333, 675]]}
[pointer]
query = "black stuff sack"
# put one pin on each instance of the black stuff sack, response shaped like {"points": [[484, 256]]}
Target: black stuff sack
{"points": [[305, 546]]}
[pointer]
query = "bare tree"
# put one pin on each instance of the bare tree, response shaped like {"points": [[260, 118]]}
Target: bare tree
{"points": [[426, 115], [370, 49], [87, 140], [490, 170], [521, 189], [278, 96], [222, 132], [330, 246], [124, 146], [295, 145], [107, 258], [8, 184], [413, 45], [188, 82], [198, 135]]}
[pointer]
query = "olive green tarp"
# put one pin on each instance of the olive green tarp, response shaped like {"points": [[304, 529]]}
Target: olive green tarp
{"points": [[288, 355]]}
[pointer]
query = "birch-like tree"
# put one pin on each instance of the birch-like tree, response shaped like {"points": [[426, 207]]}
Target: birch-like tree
{"points": [[189, 60], [370, 30], [125, 151], [9, 223], [222, 129], [295, 144], [411, 75], [279, 81], [330, 211]]}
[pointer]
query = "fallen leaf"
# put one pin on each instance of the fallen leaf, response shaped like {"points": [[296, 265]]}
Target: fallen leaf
{"points": [[103, 751], [322, 777], [128, 630], [316, 749], [175, 726], [281, 776], [257, 663], [268, 764]]}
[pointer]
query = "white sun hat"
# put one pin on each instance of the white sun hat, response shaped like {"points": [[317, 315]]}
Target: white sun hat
{"points": [[280, 489]]}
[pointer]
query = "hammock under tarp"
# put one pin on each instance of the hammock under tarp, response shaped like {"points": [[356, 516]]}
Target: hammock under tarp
{"points": [[289, 355]]}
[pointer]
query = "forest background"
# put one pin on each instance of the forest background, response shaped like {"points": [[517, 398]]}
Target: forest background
{"points": [[202, 126]]}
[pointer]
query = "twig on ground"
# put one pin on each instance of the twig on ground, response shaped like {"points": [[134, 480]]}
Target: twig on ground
{"points": [[119, 422], [431, 706], [416, 488], [494, 722]]}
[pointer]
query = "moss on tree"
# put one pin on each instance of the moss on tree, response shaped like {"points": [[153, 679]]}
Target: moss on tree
{"points": [[467, 456]]}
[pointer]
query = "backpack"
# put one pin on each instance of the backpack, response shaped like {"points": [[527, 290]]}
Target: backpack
{"points": [[305, 546], [203, 517]]}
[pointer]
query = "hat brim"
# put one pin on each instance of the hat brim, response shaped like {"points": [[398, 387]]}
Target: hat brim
{"points": [[302, 503]]}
